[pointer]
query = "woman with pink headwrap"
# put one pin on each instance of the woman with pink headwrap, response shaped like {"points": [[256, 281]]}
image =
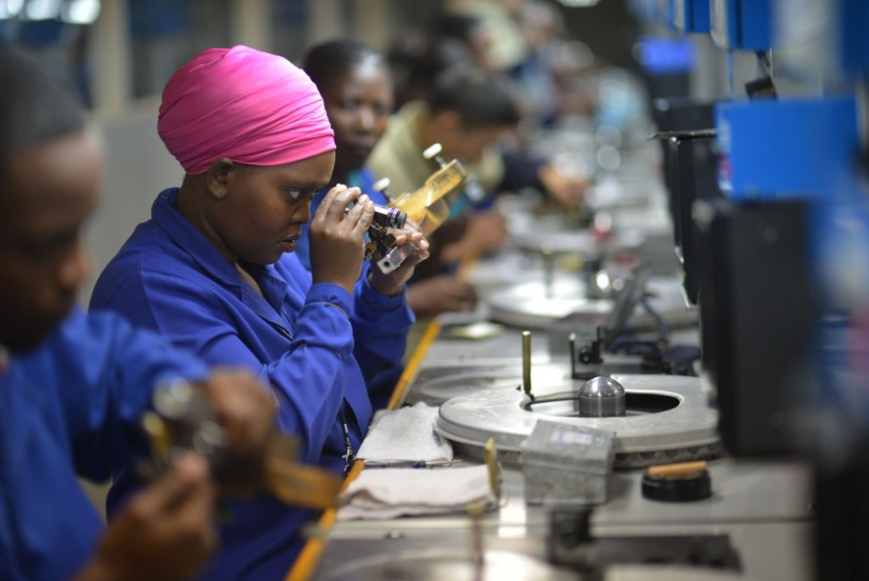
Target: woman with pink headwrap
{"points": [[213, 270]]}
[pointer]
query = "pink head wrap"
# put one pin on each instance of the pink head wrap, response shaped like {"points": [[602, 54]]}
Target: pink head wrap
{"points": [[253, 107]]}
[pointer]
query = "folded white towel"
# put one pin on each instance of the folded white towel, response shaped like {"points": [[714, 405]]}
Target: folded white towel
{"points": [[385, 493], [405, 435]]}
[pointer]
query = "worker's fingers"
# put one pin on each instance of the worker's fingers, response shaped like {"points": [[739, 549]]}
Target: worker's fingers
{"points": [[189, 474], [362, 214]]}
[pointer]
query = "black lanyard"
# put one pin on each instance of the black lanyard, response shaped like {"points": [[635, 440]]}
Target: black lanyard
{"points": [[349, 456]]}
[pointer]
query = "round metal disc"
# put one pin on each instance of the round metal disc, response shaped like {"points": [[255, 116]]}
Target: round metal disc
{"points": [[687, 431], [551, 232], [436, 385], [452, 564], [528, 305], [655, 572]]}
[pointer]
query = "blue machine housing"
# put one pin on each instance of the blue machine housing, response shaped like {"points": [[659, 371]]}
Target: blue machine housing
{"points": [[691, 16], [741, 24], [785, 149], [854, 19]]}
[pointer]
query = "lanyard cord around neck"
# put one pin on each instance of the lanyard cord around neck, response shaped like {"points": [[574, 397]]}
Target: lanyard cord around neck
{"points": [[349, 456]]}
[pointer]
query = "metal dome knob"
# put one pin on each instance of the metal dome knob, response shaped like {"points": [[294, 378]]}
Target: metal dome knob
{"points": [[432, 151], [602, 397], [381, 184]]}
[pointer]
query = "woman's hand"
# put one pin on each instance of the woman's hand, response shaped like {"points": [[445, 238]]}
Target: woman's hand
{"points": [[567, 191], [486, 232], [167, 531], [246, 411], [392, 284], [440, 294], [337, 236]]}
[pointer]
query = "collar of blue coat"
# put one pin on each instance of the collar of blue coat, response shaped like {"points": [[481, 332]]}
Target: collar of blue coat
{"points": [[186, 237], [5, 358], [182, 233]]}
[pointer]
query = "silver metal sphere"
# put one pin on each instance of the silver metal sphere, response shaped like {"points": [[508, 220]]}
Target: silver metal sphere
{"points": [[601, 397]]}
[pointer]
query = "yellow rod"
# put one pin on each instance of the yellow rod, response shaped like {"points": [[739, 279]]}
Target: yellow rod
{"points": [[431, 333], [309, 558], [681, 469]]}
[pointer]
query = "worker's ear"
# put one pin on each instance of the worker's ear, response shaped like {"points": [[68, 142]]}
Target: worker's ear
{"points": [[217, 178]]}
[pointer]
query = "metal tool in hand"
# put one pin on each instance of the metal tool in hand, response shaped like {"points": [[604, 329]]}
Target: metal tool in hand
{"points": [[426, 206], [381, 235], [183, 420]]}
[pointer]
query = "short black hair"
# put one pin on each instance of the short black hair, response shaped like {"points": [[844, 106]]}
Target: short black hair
{"points": [[34, 107], [326, 61], [458, 26], [480, 98]]}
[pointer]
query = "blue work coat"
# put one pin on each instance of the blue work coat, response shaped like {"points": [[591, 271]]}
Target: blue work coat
{"points": [[323, 352], [71, 408]]}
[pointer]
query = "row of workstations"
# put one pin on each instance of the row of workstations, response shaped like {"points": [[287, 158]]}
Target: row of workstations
{"points": [[765, 204], [756, 524]]}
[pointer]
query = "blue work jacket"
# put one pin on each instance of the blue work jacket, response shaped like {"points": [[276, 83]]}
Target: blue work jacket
{"points": [[323, 352], [71, 408]]}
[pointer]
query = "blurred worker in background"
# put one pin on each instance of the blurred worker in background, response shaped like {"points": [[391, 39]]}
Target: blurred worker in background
{"points": [[73, 387], [516, 43], [467, 110], [214, 271], [357, 91], [542, 28], [506, 47]]}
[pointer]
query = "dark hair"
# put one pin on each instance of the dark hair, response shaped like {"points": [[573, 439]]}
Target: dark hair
{"points": [[458, 26], [34, 108], [480, 98], [325, 61]]}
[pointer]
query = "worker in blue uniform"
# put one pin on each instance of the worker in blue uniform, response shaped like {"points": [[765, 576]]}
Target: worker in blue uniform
{"points": [[357, 91], [213, 270], [73, 387]]}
